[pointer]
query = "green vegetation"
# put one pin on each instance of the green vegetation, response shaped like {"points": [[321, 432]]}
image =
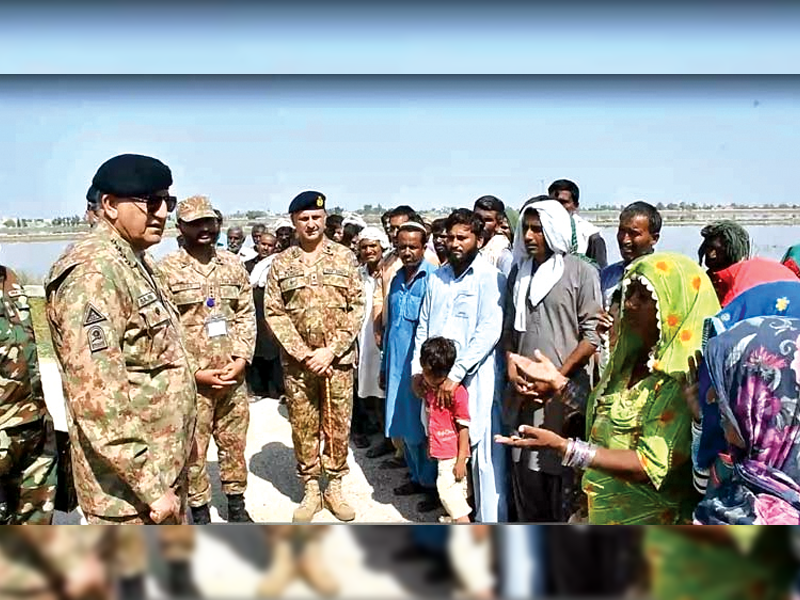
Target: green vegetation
{"points": [[42, 331]]}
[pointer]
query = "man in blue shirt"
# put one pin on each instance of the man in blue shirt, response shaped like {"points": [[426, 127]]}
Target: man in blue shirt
{"points": [[403, 408], [464, 302], [637, 235]]}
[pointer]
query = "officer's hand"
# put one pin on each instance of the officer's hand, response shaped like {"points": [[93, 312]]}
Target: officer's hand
{"points": [[234, 370], [418, 386], [87, 579], [165, 507], [319, 361], [211, 378]]}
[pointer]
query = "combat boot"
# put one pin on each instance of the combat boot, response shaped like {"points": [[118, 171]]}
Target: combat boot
{"points": [[314, 572], [180, 583], [334, 499], [282, 571], [132, 588], [237, 513], [311, 504], [201, 515]]}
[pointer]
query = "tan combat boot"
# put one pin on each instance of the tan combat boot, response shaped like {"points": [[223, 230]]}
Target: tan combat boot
{"points": [[282, 571], [311, 504], [334, 499], [313, 571]]}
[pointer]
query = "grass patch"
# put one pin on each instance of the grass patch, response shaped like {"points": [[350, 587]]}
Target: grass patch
{"points": [[41, 329]]}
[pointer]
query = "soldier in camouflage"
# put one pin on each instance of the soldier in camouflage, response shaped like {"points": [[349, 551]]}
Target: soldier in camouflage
{"points": [[212, 292], [28, 454], [129, 383], [314, 304]]}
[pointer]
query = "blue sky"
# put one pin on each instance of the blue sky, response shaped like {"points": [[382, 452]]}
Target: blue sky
{"points": [[427, 141]]}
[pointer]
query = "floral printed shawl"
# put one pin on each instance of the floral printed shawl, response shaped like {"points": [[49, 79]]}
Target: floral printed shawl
{"points": [[755, 368]]}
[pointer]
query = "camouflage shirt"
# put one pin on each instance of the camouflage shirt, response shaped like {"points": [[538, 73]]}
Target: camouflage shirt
{"points": [[21, 395], [128, 380], [308, 307], [202, 292]]}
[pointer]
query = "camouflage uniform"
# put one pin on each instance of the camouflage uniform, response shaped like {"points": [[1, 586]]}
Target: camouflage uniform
{"points": [[128, 380], [130, 558], [224, 283], [309, 307], [28, 471], [34, 561]]}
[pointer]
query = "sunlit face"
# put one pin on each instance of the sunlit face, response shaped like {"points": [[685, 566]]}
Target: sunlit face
{"points": [[640, 313], [634, 238], [134, 221], [567, 201], [309, 225], [431, 380], [235, 239], [394, 225], [533, 235], [490, 221], [462, 244], [370, 252], [266, 245], [410, 248], [200, 232], [716, 256]]}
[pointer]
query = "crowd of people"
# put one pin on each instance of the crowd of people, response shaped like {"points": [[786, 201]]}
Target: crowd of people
{"points": [[511, 371]]}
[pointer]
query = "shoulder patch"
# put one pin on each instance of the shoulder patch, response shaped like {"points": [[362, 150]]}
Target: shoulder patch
{"points": [[92, 316], [97, 339]]}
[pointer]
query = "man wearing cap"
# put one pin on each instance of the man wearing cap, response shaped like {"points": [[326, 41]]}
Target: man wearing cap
{"points": [[128, 380], [212, 292], [284, 231], [314, 305]]}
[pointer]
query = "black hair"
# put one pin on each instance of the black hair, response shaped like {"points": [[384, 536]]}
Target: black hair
{"points": [[406, 227], [438, 355], [565, 185], [404, 210], [349, 232], [258, 227], [539, 198], [386, 216], [333, 221], [464, 216], [643, 209], [439, 225], [219, 216], [734, 237], [490, 203]]}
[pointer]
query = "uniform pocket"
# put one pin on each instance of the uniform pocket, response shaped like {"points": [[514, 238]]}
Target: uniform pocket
{"points": [[337, 284], [187, 293], [155, 315], [229, 291]]}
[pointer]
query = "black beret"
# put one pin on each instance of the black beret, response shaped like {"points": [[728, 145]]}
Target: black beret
{"points": [[93, 196], [132, 175], [307, 201]]}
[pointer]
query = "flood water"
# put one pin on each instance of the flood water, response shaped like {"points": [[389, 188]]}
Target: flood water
{"points": [[35, 258]]}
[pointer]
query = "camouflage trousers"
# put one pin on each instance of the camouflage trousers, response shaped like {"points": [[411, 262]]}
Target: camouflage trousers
{"points": [[28, 473], [180, 490], [312, 423], [226, 418], [177, 544]]}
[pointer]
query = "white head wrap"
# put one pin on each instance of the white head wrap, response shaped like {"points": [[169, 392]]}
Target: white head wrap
{"points": [[535, 285], [283, 223], [375, 235], [355, 220]]}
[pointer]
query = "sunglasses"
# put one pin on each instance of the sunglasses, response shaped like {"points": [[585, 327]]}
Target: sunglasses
{"points": [[154, 202]]}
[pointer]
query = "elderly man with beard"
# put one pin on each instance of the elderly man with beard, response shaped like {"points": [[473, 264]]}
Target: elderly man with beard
{"points": [[368, 395], [403, 408], [552, 305], [464, 302]]}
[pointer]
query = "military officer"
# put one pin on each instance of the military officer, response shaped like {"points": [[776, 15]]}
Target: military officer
{"points": [[129, 382], [212, 292], [28, 454], [314, 305]]}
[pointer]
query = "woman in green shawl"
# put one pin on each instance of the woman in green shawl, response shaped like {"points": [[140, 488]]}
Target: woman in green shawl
{"points": [[637, 459]]}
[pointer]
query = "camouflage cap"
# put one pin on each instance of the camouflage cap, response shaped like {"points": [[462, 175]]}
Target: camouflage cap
{"points": [[194, 208]]}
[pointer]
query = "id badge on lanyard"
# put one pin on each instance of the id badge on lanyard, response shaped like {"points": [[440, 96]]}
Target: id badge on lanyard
{"points": [[216, 324]]}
